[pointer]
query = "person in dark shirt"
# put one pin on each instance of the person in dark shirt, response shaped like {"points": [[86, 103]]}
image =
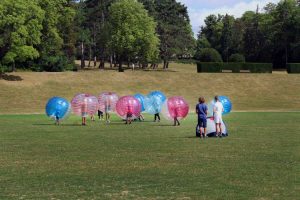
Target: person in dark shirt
{"points": [[201, 110]]}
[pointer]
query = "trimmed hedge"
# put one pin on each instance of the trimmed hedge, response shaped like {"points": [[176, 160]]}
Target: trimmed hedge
{"points": [[293, 68], [211, 67], [235, 67], [258, 67]]}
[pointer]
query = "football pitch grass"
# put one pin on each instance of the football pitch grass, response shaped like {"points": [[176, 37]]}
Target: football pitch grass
{"points": [[147, 160]]}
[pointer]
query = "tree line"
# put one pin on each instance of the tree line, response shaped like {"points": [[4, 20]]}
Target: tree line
{"points": [[271, 36], [49, 35]]}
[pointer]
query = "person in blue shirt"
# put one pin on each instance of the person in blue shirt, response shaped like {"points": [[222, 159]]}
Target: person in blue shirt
{"points": [[201, 110]]}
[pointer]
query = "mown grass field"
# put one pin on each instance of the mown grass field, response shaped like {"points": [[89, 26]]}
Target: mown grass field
{"points": [[248, 92], [147, 160], [259, 160]]}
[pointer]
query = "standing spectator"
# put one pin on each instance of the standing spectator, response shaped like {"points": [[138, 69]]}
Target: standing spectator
{"points": [[201, 110], [218, 110]]}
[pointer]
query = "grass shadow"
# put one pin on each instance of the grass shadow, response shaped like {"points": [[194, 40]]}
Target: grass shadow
{"points": [[10, 77]]}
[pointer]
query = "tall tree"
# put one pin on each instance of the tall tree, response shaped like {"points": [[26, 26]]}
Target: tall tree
{"points": [[285, 29], [213, 30], [227, 37], [173, 28], [132, 32]]}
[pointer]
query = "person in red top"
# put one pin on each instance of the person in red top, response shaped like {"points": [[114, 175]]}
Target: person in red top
{"points": [[84, 112], [129, 115], [176, 121]]}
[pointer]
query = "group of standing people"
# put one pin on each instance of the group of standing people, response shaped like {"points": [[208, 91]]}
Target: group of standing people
{"points": [[202, 111]]}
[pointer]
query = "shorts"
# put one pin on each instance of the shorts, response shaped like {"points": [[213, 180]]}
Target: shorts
{"points": [[129, 115], [202, 122], [84, 114], [107, 109], [100, 113], [218, 119]]}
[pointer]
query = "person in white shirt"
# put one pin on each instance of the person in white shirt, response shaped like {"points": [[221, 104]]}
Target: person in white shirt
{"points": [[218, 110]]}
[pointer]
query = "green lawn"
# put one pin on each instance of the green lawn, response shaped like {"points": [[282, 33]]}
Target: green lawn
{"points": [[147, 160]]}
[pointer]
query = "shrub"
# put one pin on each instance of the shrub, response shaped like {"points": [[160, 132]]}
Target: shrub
{"points": [[208, 55], [237, 58], [53, 64], [3, 69], [293, 68], [186, 61]]}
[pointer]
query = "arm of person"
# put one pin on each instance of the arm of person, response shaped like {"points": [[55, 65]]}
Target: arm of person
{"points": [[197, 111]]}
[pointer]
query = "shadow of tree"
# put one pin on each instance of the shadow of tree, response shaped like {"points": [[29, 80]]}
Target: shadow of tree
{"points": [[10, 77]]}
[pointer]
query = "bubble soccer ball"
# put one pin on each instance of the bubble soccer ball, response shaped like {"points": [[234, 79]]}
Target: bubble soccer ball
{"points": [[158, 96], [154, 101], [128, 105], [175, 107], [107, 102], [141, 99], [84, 104], [58, 107], [211, 128], [225, 102]]}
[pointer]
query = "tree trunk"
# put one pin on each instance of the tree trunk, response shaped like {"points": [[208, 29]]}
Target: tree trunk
{"points": [[101, 65], [165, 63], [111, 61], [90, 56], [95, 61], [82, 56], [13, 67], [120, 65], [167, 66]]}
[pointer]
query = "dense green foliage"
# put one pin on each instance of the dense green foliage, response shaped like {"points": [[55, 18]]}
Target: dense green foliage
{"points": [[271, 36], [216, 67], [48, 35], [20, 31], [208, 55], [259, 160], [293, 68], [237, 58]]}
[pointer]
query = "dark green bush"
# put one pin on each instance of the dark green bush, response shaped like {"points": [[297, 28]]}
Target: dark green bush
{"points": [[53, 64], [4, 69], [208, 55], [186, 61], [293, 68], [211, 67], [237, 58]]}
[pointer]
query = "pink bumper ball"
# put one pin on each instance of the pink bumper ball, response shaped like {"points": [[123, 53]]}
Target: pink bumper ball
{"points": [[175, 107], [128, 105], [107, 102], [84, 104]]}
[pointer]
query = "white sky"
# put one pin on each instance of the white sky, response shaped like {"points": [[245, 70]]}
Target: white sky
{"points": [[200, 9]]}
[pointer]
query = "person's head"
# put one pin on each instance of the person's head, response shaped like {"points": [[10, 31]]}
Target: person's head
{"points": [[201, 100], [217, 98]]}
